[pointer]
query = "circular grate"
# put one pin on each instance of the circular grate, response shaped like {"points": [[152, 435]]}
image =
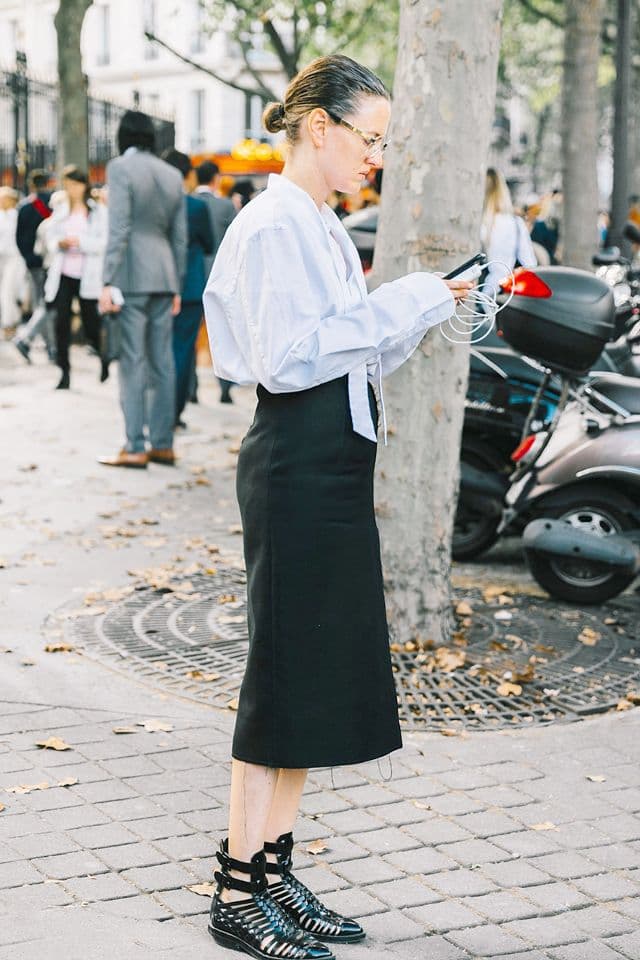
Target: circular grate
{"points": [[513, 661]]}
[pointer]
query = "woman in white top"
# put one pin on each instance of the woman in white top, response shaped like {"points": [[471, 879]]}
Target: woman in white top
{"points": [[287, 306], [76, 239], [505, 237], [12, 266]]}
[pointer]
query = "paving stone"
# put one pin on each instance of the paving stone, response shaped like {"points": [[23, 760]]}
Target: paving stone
{"points": [[184, 903], [131, 855], [184, 801], [21, 825], [487, 941], [390, 926], [501, 796], [104, 835], [323, 802], [160, 828], [515, 873], [567, 865], [321, 879], [139, 908], [84, 772], [407, 892], [386, 840], [109, 886], [437, 949], [615, 856], [424, 860], [55, 798], [45, 845], [512, 772], [401, 813], [367, 795], [418, 787], [131, 766], [599, 921], [501, 907], [335, 779], [444, 916], [33, 898], [580, 834], [354, 902], [184, 848], [528, 843], [467, 779], [591, 950], [629, 907], [167, 876], [186, 759], [488, 823], [339, 849], [460, 883], [470, 852], [608, 886], [69, 865], [9, 854], [628, 945], [368, 870], [451, 804], [73, 817], [438, 830], [350, 821], [151, 785], [625, 799], [137, 808], [103, 790], [547, 931], [624, 828], [432, 763], [17, 874], [554, 897]]}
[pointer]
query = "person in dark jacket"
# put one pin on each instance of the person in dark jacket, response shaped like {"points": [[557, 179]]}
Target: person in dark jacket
{"points": [[31, 212], [200, 246]]}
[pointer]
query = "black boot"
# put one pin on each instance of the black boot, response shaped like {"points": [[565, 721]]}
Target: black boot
{"points": [[256, 925], [64, 381], [301, 904]]}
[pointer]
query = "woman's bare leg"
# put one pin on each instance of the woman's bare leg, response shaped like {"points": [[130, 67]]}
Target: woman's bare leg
{"points": [[253, 788], [284, 808]]}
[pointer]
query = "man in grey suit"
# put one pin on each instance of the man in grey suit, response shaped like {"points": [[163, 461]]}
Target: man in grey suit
{"points": [[143, 271], [221, 213]]}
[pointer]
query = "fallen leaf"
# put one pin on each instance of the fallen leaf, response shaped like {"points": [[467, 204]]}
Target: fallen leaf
{"points": [[68, 782], [59, 647], [231, 619], [233, 704], [122, 730], [203, 889], [421, 805], [316, 847], [589, 637], [155, 726], [202, 677], [596, 778], [235, 528], [624, 704], [227, 598], [449, 660], [547, 825], [2, 807], [451, 732], [27, 788], [492, 593], [508, 689], [464, 609], [53, 743]]}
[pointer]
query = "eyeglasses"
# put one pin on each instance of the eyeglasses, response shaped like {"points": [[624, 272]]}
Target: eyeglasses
{"points": [[375, 145]]}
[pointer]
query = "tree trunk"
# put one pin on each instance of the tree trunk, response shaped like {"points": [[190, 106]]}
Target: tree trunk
{"points": [[634, 127], [620, 198], [580, 131], [73, 119], [430, 220]]}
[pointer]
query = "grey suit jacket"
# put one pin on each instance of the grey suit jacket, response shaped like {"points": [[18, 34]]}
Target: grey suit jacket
{"points": [[221, 213], [147, 245]]}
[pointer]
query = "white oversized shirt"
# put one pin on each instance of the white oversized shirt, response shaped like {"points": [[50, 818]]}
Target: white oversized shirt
{"points": [[287, 306]]}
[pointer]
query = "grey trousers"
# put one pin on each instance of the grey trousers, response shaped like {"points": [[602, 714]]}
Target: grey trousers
{"points": [[146, 370], [42, 316]]}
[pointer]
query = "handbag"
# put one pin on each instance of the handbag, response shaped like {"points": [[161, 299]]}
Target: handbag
{"points": [[110, 337]]}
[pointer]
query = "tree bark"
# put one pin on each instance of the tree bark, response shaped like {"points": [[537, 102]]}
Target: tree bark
{"points": [[73, 118], [634, 127], [620, 197], [430, 220], [580, 131]]}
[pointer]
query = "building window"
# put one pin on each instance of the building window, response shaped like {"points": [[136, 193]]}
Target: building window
{"points": [[150, 24], [197, 138], [104, 39]]}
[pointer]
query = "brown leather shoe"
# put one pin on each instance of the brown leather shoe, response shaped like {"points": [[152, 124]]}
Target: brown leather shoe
{"points": [[166, 457], [137, 461]]}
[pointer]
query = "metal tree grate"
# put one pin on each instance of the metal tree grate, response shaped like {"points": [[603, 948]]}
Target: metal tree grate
{"points": [[195, 644]]}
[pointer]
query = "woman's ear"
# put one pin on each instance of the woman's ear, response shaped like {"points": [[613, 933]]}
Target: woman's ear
{"points": [[317, 125]]}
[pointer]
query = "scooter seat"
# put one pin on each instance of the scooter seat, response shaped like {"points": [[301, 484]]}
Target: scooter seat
{"points": [[625, 391]]}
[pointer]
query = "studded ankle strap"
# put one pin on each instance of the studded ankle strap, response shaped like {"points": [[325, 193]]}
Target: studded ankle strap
{"points": [[255, 869], [283, 849]]}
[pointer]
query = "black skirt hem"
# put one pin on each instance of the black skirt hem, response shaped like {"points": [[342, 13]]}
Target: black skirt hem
{"points": [[325, 762]]}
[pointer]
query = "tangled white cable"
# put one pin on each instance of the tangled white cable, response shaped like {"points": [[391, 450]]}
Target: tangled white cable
{"points": [[476, 314]]}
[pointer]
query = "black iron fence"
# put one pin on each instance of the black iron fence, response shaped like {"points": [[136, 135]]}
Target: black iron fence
{"points": [[29, 127]]}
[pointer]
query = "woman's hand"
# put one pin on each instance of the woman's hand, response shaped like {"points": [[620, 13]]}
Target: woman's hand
{"points": [[460, 288]]}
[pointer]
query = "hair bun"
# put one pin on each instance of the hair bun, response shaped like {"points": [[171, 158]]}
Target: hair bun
{"points": [[273, 117]]}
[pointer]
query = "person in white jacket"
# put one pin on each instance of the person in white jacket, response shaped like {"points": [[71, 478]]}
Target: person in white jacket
{"points": [[76, 240], [12, 267], [505, 237]]}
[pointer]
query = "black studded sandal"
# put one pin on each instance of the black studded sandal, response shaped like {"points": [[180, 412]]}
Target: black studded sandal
{"points": [[258, 925], [301, 904]]}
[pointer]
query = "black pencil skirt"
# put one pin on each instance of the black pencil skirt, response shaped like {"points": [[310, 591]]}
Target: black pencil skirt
{"points": [[318, 688]]}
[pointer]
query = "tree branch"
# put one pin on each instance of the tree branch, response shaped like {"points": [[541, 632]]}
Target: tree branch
{"points": [[286, 58], [544, 14], [265, 92], [251, 91], [357, 29]]}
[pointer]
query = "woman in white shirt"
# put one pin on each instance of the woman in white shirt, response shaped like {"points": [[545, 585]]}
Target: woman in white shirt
{"points": [[287, 306], [76, 240], [505, 237], [12, 266]]}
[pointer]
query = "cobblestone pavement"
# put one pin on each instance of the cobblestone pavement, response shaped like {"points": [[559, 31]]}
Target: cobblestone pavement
{"points": [[514, 844]]}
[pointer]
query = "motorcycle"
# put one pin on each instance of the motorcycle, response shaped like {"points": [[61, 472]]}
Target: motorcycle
{"points": [[575, 490]]}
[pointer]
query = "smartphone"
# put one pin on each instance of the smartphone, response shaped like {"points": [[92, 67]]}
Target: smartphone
{"points": [[478, 261]]}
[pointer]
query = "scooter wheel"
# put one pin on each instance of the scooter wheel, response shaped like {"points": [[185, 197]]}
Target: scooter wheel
{"points": [[558, 586]]}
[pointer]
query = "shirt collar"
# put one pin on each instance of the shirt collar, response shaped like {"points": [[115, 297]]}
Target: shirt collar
{"points": [[277, 182]]}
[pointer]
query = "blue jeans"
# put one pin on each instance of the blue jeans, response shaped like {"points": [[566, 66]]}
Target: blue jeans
{"points": [[185, 333]]}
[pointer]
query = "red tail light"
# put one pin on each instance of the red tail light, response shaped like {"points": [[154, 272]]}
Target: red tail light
{"points": [[526, 283], [523, 448]]}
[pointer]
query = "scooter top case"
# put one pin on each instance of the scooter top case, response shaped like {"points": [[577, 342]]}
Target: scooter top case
{"points": [[559, 316]]}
